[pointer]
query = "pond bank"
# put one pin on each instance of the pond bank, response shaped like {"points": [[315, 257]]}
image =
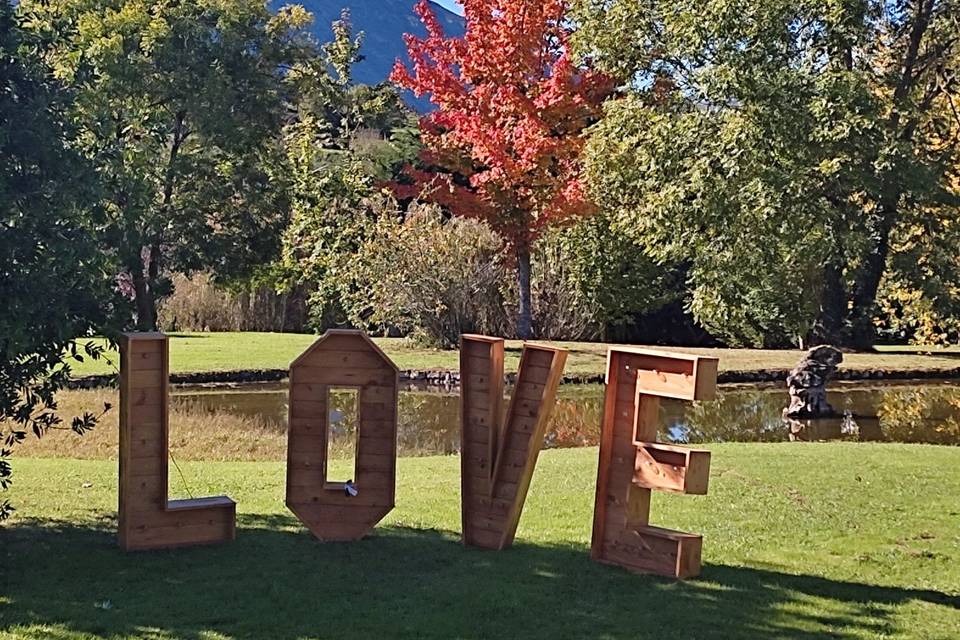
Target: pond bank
{"points": [[451, 379]]}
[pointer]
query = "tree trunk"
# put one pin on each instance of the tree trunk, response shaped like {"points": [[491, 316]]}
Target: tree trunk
{"points": [[525, 315], [829, 325], [146, 305], [863, 332]]}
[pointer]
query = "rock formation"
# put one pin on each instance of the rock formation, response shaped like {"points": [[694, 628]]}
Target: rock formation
{"points": [[807, 384]]}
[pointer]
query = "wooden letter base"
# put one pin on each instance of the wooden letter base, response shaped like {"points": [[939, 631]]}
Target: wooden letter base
{"points": [[148, 520], [633, 463]]}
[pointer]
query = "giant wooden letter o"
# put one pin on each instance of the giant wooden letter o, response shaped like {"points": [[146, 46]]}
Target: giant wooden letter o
{"points": [[338, 510]]}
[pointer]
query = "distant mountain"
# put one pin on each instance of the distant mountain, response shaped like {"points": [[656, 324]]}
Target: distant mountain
{"points": [[383, 22]]}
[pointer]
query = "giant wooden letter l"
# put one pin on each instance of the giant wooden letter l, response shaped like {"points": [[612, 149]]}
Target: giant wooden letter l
{"points": [[497, 457], [147, 519], [633, 463]]}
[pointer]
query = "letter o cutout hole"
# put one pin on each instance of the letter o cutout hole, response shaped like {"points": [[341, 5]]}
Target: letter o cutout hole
{"points": [[339, 361]]}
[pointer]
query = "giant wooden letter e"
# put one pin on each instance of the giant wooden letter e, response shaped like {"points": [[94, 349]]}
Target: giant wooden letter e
{"points": [[633, 463]]}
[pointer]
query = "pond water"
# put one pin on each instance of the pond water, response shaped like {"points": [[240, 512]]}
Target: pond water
{"points": [[429, 419]]}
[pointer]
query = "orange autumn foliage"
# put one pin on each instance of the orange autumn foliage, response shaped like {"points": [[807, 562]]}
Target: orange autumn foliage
{"points": [[504, 143]]}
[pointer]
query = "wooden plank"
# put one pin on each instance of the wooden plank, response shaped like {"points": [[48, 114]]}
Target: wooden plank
{"points": [[673, 469], [478, 418], [373, 480], [213, 502], [146, 447], [476, 365], [605, 456], [476, 349], [477, 383], [375, 462], [312, 444], [308, 410], [485, 539], [154, 466], [376, 446], [530, 391], [175, 535], [311, 496], [646, 418], [211, 517], [345, 360], [379, 429], [654, 550], [637, 507], [322, 376], [487, 521], [522, 408], [519, 442], [152, 397], [377, 411], [347, 512], [146, 379], [706, 375], [145, 360], [307, 426], [475, 436]]}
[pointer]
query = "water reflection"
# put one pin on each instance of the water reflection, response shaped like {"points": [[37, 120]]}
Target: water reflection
{"points": [[429, 420]]}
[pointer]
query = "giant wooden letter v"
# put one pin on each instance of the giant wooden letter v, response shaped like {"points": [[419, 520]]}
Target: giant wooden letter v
{"points": [[497, 455]]}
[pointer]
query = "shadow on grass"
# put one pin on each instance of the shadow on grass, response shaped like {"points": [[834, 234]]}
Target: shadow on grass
{"points": [[275, 581]]}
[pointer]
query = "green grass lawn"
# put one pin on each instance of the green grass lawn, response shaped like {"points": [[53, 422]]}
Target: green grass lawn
{"points": [[802, 541], [198, 352]]}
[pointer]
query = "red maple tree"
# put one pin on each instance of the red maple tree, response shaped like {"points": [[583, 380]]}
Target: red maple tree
{"points": [[504, 143]]}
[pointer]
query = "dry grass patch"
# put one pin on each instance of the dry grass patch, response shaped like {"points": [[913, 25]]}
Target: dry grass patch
{"points": [[194, 434]]}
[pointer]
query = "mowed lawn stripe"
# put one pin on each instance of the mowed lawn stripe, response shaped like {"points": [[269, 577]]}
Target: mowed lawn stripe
{"points": [[213, 352]]}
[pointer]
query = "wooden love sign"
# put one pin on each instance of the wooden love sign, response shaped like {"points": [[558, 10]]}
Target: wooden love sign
{"points": [[498, 451]]}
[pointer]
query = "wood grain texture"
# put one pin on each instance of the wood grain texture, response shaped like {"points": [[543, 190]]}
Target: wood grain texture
{"points": [[342, 360], [633, 464], [498, 454], [147, 519]]}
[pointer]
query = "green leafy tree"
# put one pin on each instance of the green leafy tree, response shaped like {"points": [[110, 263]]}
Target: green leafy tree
{"points": [[616, 278], [54, 282], [343, 141], [178, 105], [778, 146]]}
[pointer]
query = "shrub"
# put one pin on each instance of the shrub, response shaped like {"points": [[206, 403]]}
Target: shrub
{"points": [[199, 304], [589, 278], [429, 277]]}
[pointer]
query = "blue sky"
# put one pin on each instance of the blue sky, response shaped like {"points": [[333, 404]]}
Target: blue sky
{"points": [[453, 5]]}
